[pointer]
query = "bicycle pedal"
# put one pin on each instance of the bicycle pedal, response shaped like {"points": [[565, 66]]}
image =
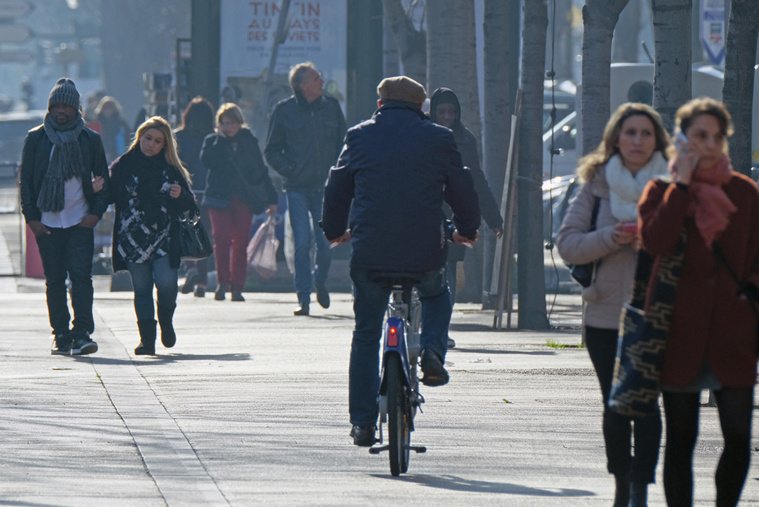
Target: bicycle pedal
{"points": [[377, 450], [418, 448]]}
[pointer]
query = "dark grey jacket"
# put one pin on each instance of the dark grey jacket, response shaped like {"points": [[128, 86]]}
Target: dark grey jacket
{"points": [[304, 141], [35, 159]]}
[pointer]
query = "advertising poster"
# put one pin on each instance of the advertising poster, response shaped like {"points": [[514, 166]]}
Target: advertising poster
{"points": [[316, 32]]}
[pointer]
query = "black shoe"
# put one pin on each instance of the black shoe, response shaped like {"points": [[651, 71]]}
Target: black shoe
{"points": [[451, 343], [200, 291], [363, 436], [301, 310], [432, 367], [220, 292], [148, 334], [190, 281], [237, 296], [322, 296], [82, 345], [61, 345]]}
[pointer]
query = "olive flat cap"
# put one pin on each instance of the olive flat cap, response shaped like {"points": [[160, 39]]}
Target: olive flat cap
{"points": [[401, 89]]}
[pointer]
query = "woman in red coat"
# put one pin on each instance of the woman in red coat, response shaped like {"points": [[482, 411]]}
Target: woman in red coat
{"points": [[712, 341]]}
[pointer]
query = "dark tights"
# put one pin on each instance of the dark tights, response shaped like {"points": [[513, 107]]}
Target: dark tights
{"points": [[681, 409]]}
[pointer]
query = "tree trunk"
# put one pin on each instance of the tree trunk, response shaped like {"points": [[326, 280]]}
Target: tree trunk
{"points": [[599, 19], [411, 43], [672, 67], [452, 62], [626, 41], [738, 89], [390, 58], [530, 270], [500, 58]]}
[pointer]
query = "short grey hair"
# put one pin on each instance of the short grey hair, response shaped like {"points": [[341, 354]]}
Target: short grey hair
{"points": [[298, 75]]}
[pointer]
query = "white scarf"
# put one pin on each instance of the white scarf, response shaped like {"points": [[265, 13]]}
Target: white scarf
{"points": [[626, 189]]}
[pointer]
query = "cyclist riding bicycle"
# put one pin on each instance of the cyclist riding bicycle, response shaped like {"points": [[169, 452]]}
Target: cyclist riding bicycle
{"points": [[391, 179]]}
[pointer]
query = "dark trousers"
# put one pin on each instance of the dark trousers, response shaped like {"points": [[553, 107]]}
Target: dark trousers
{"points": [[735, 408], [369, 306], [67, 253], [617, 429]]}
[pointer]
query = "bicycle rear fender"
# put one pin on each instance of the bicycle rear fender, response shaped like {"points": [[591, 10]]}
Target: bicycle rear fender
{"points": [[392, 346]]}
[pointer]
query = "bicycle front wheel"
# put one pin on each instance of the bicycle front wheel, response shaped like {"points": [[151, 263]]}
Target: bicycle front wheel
{"points": [[399, 436]]}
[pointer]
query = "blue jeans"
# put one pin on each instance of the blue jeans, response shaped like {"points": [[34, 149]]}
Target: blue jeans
{"points": [[68, 253], [144, 276], [369, 306], [300, 204]]}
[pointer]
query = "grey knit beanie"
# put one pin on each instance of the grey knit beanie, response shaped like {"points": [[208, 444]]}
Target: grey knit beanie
{"points": [[64, 92]]}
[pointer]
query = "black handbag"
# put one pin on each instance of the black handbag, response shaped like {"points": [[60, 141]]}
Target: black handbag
{"points": [[583, 273], [643, 335], [194, 243]]}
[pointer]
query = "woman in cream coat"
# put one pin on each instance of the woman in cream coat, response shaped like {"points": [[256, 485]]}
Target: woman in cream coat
{"points": [[615, 174]]}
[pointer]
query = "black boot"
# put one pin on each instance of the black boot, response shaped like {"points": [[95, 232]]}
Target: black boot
{"points": [[638, 494], [622, 494], [165, 316], [147, 338]]}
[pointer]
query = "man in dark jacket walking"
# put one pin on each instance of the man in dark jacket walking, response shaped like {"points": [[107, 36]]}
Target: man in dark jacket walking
{"points": [[306, 133], [445, 110], [59, 160], [392, 176]]}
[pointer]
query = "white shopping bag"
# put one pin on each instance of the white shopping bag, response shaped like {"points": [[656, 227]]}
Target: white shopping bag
{"points": [[262, 249]]}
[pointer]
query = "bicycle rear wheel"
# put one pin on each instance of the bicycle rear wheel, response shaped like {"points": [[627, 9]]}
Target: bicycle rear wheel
{"points": [[399, 434]]}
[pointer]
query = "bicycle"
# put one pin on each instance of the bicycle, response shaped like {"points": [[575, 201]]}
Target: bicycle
{"points": [[399, 396]]}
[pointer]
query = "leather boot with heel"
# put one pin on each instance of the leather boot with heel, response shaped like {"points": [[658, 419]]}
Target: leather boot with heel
{"points": [[622, 493], [165, 318], [147, 338]]}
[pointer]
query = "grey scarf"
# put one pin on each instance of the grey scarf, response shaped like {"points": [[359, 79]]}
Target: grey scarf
{"points": [[65, 163]]}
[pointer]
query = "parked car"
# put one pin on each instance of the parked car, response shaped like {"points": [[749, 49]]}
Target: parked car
{"points": [[557, 194], [13, 129]]}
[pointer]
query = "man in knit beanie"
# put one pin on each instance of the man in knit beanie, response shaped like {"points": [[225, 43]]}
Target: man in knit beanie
{"points": [[393, 174], [58, 163]]}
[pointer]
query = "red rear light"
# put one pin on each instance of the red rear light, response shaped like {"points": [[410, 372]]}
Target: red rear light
{"points": [[392, 337]]}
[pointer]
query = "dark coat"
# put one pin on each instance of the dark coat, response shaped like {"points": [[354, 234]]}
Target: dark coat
{"points": [[120, 172], [304, 141], [227, 167], [709, 319], [467, 146], [397, 169], [188, 148], [35, 159]]}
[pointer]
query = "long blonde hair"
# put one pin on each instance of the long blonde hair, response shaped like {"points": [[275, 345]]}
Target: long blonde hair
{"points": [[169, 148], [590, 163]]}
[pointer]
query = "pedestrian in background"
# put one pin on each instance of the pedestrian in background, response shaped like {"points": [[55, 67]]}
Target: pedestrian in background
{"points": [[306, 135], [114, 130], [197, 123], [150, 189], [58, 163], [445, 110], [614, 175], [712, 342], [238, 187]]}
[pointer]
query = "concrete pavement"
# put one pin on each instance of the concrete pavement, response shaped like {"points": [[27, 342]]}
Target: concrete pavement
{"points": [[250, 408]]}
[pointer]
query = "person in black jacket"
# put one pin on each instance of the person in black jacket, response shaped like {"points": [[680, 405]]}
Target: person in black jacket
{"points": [[59, 161], [445, 110], [238, 187], [391, 179], [306, 133], [197, 122], [150, 188]]}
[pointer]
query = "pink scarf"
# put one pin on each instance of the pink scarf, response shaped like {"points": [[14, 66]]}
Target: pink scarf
{"points": [[711, 207]]}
